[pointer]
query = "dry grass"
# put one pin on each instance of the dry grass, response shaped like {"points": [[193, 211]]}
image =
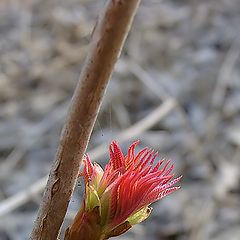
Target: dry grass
{"points": [[176, 87]]}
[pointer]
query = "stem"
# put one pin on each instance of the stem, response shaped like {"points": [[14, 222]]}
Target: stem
{"points": [[106, 44]]}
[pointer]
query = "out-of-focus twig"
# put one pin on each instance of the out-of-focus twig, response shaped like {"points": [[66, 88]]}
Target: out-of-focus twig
{"points": [[132, 132], [34, 133], [107, 41], [225, 73], [224, 77], [147, 80], [163, 95], [22, 197], [156, 115]]}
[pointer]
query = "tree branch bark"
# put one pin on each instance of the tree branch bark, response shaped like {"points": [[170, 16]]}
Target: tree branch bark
{"points": [[106, 44]]}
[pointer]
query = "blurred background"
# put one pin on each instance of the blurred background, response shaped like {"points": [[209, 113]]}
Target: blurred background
{"points": [[176, 88]]}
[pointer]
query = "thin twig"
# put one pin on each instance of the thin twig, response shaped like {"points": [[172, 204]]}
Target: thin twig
{"points": [[225, 73], [107, 41], [33, 132], [163, 95], [10, 162], [22, 197], [147, 80]]}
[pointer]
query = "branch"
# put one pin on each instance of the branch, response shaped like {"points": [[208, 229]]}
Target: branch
{"points": [[107, 41]]}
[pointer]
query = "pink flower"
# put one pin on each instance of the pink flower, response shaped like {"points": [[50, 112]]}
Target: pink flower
{"points": [[119, 196]]}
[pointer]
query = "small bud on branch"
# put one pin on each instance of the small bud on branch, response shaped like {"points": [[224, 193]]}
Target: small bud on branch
{"points": [[119, 196]]}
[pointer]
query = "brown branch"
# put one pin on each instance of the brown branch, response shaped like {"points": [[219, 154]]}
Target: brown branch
{"points": [[107, 41]]}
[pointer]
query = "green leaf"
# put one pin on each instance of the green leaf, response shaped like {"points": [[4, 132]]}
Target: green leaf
{"points": [[140, 215], [92, 200]]}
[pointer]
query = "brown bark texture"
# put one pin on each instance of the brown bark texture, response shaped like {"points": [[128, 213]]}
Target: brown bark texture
{"points": [[106, 44]]}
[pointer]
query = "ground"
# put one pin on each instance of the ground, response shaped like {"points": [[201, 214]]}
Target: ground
{"points": [[176, 87]]}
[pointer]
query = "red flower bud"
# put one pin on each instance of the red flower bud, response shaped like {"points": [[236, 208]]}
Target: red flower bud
{"points": [[119, 196]]}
